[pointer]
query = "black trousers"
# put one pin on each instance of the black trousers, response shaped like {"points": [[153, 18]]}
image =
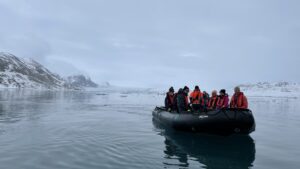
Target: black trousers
{"points": [[198, 107]]}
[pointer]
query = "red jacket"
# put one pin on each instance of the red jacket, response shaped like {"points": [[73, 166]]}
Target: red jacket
{"points": [[169, 100], [239, 100], [223, 102]]}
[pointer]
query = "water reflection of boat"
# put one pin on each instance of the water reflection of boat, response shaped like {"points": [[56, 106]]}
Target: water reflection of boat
{"points": [[215, 152]]}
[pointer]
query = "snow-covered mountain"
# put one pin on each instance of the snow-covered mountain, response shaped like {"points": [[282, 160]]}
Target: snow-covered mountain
{"points": [[80, 81], [283, 89], [26, 73]]}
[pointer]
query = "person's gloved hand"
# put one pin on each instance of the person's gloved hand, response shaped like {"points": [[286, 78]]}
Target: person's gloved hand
{"points": [[169, 109]]}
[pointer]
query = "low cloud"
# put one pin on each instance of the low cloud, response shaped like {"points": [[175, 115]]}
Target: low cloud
{"points": [[157, 43]]}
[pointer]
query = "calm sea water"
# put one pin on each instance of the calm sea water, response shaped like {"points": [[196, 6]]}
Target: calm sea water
{"points": [[87, 130]]}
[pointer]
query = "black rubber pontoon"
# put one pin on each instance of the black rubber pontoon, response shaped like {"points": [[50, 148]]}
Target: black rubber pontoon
{"points": [[224, 122]]}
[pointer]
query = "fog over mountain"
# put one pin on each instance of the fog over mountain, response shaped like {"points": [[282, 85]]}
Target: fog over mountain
{"points": [[158, 43], [80, 81]]}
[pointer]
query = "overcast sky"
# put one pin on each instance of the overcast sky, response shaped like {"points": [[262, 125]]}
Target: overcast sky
{"points": [[155, 43]]}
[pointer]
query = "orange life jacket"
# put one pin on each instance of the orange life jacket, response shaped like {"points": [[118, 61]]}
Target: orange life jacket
{"points": [[239, 100], [196, 96], [212, 103]]}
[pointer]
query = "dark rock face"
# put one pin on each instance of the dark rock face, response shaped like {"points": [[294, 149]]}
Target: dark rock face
{"points": [[80, 81]]}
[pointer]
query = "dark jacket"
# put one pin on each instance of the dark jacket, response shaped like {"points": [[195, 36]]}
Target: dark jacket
{"points": [[205, 99], [181, 99]]}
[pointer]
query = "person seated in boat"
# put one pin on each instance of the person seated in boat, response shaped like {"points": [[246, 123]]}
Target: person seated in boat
{"points": [[205, 100], [213, 101], [169, 100], [238, 100], [223, 100], [196, 99], [182, 101]]}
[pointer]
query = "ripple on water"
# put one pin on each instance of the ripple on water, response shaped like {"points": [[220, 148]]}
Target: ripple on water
{"points": [[78, 130]]}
